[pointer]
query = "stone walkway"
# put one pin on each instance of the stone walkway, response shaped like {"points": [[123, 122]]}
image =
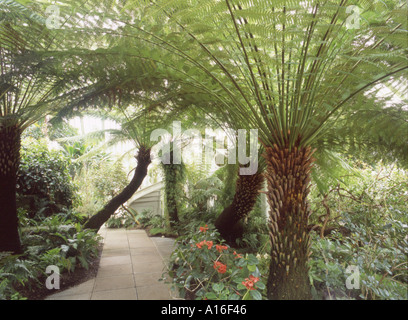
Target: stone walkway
{"points": [[130, 267]]}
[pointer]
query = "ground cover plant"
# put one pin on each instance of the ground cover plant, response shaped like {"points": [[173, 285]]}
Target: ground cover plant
{"points": [[56, 241]]}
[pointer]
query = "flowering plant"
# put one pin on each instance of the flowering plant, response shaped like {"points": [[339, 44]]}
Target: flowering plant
{"points": [[203, 267]]}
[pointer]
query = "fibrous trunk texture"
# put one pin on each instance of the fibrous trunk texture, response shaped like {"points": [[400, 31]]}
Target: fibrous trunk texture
{"points": [[143, 161], [229, 222], [288, 181], [9, 162], [173, 175]]}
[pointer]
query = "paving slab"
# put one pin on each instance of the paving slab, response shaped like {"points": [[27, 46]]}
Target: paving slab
{"points": [[118, 269], [115, 260], [119, 294], [130, 267], [114, 282], [153, 292]]}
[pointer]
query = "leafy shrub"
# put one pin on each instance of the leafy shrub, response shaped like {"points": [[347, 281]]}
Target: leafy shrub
{"points": [[202, 267], [201, 198], [129, 218], [374, 213], [115, 222], [122, 219], [109, 180], [370, 221], [378, 253], [98, 184], [71, 244], [44, 183], [13, 271], [144, 217], [153, 223], [53, 242]]}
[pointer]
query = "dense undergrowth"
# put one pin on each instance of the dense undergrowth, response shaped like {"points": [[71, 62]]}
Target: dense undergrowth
{"points": [[369, 219], [359, 245], [55, 241]]}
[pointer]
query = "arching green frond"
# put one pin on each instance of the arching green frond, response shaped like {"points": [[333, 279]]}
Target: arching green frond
{"points": [[287, 66]]}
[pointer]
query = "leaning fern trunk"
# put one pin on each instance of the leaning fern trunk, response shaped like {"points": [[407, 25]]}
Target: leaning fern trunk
{"points": [[143, 162], [9, 162], [288, 181]]}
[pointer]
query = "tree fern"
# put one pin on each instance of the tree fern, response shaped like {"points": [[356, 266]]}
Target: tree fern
{"points": [[288, 68]]}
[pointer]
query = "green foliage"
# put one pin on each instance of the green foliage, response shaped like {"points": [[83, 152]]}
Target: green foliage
{"points": [[13, 271], [372, 210], [123, 218], [155, 224], [45, 186], [61, 242], [380, 259], [99, 182], [73, 151], [286, 68], [144, 217], [372, 129], [201, 197], [13, 11], [255, 237], [115, 222], [30, 79], [109, 179], [202, 267], [56, 241], [129, 218], [368, 224], [227, 174]]}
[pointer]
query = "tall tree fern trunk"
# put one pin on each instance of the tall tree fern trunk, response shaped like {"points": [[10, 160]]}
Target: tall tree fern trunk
{"points": [[229, 222], [288, 180], [9, 162], [143, 162], [173, 188], [171, 193]]}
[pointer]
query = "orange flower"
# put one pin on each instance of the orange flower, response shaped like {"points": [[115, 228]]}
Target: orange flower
{"points": [[237, 255], [209, 244], [219, 248], [249, 283], [254, 279], [220, 267], [204, 229]]}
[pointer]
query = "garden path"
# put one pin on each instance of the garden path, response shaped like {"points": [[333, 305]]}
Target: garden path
{"points": [[130, 267]]}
